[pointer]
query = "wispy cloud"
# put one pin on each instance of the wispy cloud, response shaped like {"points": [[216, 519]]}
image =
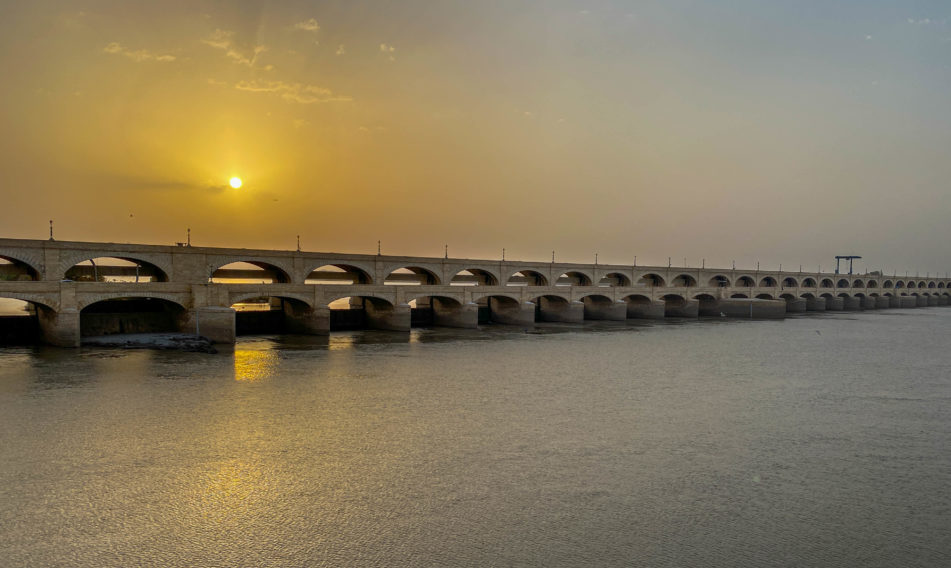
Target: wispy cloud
{"points": [[292, 92], [244, 55], [340, 50], [389, 50], [139, 55], [310, 25]]}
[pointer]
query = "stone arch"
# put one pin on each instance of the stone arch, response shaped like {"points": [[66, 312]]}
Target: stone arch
{"points": [[827, 296], [857, 283], [474, 277], [940, 284], [809, 282], [240, 297], [160, 262], [387, 299], [826, 283], [574, 278], [922, 284], [844, 295], [764, 297], [31, 298], [451, 297], [807, 295], [745, 281], [842, 283], [767, 282], [124, 313], [871, 284], [719, 281], [262, 270], [86, 301], [709, 306], [478, 297], [932, 284], [888, 284], [911, 284], [637, 299], [683, 281], [527, 277], [738, 295], [675, 305], [651, 279], [134, 268], [18, 269], [790, 282], [900, 284], [338, 273], [614, 280], [404, 275]]}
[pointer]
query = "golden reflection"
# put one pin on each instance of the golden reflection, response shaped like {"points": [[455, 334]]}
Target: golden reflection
{"points": [[342, 342], [250, 365], [230, 490]]}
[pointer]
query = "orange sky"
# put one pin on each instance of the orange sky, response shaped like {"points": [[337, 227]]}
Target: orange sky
{"points": [[785, 133]]}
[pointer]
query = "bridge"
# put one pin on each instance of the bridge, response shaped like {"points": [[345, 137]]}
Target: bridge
{"points": [[206, 289]]}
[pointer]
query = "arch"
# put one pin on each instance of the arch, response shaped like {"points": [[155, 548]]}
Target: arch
{"points": [[932, 284], [807, 295], [651, 279], [573, 278], [708, 305], [551, 297], [375, 296], [764, 297], [131, 314], [899, 284], [737, 296], [826, 283], [911, 284], [827, 296], [719, 281], [455, 299], [249, 271], [922, 284], [767, 282], [871, 284], [637, 299], [843, 295], [888, 284], [527, 278], [426, 310], [745, 281], [940, 284], [411, 276], [114, 269], [790, 282], [243, 297], [596, 297], [683, 281], [480, 297], [474, 277], [857, 283], [809, 282], [34, 299], [614, 280], [859, 295], [338, 273], [842, 283], [15, 269]]}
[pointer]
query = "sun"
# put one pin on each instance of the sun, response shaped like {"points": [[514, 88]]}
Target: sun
{"points": [[235, 182]]}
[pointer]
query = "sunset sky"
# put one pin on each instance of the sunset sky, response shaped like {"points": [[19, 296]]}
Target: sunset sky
{"points": [[780, 132]]}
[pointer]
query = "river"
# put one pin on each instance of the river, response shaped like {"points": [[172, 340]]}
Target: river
{"points": [[820, 440]]}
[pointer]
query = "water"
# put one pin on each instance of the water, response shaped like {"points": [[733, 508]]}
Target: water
{"points": [[814, 441]]}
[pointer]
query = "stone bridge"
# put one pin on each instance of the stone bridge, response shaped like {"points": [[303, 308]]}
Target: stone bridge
{"points": [[197, 289]]}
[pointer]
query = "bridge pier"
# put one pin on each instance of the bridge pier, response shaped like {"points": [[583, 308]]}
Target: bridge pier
{"points": [[751, 308], [908, 301], [942, 300], [687, 309], [815, 304], [214, 322], [381, 315], [511, 312], [932, 300], [851, 303], [921, 301], [60, 329], [868, 303], [452, 314], [645, 310], [566, 312], [835, 304], [796, 306], [304, 320], [604, 310], [894, 302], [881, 302]]}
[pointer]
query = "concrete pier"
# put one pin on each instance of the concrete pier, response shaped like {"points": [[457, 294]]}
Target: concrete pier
{"points": [[894, 302], [645, 310], [932, 300], [908, 301], [868, 303], [448, 313], [851, 303], [688, 309], [604, 309], [381, 315], [815, 304], [559, 310], [62, 328], [796, 306], [835, 304], [921, 301], [882, 302], [753, 308], [509, 312]]}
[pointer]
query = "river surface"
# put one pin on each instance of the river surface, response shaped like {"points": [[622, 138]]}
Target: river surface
{"points": [[821, 440]]}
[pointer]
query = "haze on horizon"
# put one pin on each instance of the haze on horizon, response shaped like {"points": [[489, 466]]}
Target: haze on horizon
{"points": [[780, 132]]}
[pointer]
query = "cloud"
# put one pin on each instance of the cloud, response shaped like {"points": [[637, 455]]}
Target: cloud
{"points": [[340, 50], [292, 92], [138, 55], [310, 25], [244, 55], [388, 50]]}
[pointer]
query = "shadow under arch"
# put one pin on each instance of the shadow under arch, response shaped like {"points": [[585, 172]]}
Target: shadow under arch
{"points": [[261, 315], [527, 278], [14, 269], [249, 272], [474, 277], [614, 280], [411, 276], [132, 314], [338, 273], [115, 269]]}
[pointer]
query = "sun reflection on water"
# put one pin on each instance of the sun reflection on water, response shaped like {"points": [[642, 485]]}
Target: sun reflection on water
{"points": [[252, 365]]}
